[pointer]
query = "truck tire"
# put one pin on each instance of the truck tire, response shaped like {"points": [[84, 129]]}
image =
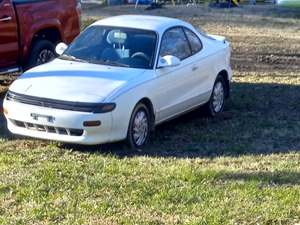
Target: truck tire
{"points": [[42, 51]]}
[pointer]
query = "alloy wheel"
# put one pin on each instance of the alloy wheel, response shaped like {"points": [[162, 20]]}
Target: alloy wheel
{"points": [[140, 128], [218, 97], [45, 56]]}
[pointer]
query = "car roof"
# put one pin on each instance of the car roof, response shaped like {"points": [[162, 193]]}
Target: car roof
{"points": [[153, 23]]}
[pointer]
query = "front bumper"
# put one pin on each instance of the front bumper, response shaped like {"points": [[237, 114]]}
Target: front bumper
{"points": [[65, 126]]}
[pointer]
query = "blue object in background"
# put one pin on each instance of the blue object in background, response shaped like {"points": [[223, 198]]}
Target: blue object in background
{"points": [[114, 2], [141, 2]]}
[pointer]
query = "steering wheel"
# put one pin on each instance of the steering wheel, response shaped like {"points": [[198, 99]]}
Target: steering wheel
{"points": [[141, 55]]}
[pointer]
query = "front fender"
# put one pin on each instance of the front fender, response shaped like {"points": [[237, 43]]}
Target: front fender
{"points": [[125, 104]]}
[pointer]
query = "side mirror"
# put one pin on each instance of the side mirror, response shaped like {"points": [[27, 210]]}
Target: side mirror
{"points": [[168, 61], [60, 48]]}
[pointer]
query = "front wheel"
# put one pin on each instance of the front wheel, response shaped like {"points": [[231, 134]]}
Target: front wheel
{"points": [[139, 127], [217, 100], [42, 51]]}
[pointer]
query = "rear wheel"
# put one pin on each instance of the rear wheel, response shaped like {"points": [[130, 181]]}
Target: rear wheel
{"points": [[139, 127], [41, 52], [217, 100]]}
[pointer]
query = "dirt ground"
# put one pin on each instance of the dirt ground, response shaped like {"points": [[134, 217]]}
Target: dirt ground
{"points": [[264, 38]]}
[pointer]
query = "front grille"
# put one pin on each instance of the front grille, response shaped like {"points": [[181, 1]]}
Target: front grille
{"points": [[48, 129], [55, 104]]}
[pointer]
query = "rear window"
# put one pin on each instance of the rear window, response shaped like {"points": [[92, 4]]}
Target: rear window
{"points": [[195, 42]]}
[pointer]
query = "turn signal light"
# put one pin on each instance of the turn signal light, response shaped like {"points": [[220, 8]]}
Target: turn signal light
{"points": [[104, 107], [95, 123]]}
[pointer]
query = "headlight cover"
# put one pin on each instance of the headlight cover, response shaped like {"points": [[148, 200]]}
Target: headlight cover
{"points": [[59, 104]]}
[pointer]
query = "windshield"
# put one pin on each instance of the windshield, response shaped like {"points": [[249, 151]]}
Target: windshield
{"points": [[114, 46]]}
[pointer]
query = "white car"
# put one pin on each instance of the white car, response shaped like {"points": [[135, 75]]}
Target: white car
{"points": [[119, 79]]}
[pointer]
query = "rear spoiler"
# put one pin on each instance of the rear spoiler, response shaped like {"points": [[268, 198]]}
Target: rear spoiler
{"points": [[217, 38]]}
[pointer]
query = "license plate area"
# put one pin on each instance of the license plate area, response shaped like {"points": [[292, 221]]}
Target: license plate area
{"points": [[42, 118]]}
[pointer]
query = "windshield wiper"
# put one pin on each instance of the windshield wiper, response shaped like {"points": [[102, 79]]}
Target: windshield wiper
{"points": [[71, 58], [109, 63], [104, 62]]}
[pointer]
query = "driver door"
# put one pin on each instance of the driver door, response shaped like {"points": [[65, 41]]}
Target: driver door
{"points": [[8, 35], [177, 85]]}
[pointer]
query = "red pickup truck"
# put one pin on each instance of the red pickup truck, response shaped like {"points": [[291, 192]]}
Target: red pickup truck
{"points": [[30, 29]]}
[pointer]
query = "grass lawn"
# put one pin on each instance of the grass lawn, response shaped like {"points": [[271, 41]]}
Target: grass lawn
{"points": [[44, 184], [240, 168], [289, 3]]}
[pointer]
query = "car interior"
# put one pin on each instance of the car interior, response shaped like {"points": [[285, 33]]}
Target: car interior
{"points": [[132, 48]]}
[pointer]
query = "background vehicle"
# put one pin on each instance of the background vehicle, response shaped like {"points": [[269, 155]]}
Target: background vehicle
{"points": [[29, 30], [119, 79]]}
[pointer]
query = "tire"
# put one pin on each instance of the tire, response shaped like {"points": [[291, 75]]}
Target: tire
{"points": [[216, 103], [139, 127], [41, 52]]}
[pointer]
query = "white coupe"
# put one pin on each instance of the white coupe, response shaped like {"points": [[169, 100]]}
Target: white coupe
{"points": [[120, 78]]}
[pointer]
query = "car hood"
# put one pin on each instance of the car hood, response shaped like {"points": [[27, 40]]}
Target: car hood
{"points": [[73, 81]]}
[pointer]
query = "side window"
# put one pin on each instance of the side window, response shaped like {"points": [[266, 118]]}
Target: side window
{"points": [[194, 40], [174, 43]]}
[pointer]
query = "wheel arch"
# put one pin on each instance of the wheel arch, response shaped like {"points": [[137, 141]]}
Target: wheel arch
{"points": [[150, 107], [224, 74], [51, 34]]}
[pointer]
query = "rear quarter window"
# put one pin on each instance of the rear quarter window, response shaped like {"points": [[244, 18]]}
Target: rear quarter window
{"points": [[174, 43], [195, 42]]}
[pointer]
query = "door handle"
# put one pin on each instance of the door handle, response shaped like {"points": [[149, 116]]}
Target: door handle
{"points": [[4, 19], [194, 68]]}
